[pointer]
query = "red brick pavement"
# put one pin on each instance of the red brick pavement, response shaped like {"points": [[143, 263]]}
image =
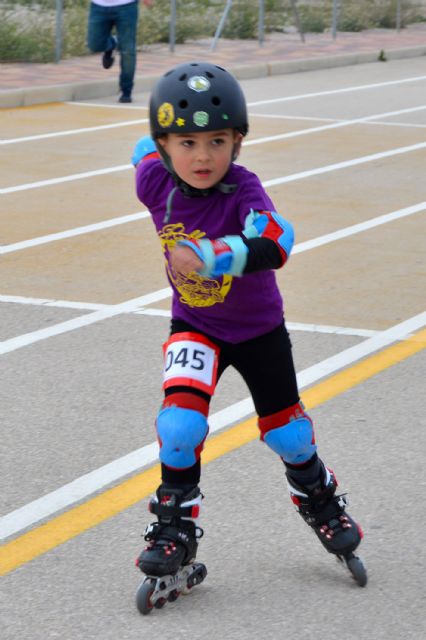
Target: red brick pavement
{"points": [[156, 59]]}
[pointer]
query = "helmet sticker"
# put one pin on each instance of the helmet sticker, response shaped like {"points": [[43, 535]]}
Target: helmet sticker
{"points": [[201, 118], [180, 122], [165, 114], [198, 83]]}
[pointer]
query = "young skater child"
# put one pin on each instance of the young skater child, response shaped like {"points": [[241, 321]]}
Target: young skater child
{"points": [[221, 239]]}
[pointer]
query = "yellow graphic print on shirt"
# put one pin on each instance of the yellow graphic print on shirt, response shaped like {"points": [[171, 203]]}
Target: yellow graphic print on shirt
{"points": [[194, 290]]}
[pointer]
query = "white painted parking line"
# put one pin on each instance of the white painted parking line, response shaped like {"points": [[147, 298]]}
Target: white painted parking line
{"points": [[47, 302], [375, 343], [334, 125], [72, 132], [132, 305], [89, 483], [295, 176], [326, 328], [71, 233], [104, 105], [82, 321], [291, 326], [301, 96], [62, 179], [400, 124], [345, 164], [146, 120], [292, 134], [166, 313], [112, 222], [358, 228], [330, 92], [274, 116]]}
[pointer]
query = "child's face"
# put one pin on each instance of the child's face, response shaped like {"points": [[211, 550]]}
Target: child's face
{"points": [[201, 159]]}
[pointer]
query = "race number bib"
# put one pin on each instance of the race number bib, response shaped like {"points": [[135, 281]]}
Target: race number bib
{"points": [[190, 359]]}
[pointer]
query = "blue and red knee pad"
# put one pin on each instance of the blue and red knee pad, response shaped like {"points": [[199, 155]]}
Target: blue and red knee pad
{"points": [[290, 434], [182, 429], [190, 365]]}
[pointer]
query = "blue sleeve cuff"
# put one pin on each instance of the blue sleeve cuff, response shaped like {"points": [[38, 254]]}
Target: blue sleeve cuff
{"points": [[239, 254]]}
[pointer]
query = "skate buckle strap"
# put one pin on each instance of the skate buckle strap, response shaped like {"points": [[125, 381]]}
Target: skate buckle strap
{"points": [[150, 531], [342, 500], [163, 533], [169, 511], [165, 536]]}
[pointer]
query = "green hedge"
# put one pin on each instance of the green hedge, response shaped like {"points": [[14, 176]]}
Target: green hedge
{"points": [[27, 28]]}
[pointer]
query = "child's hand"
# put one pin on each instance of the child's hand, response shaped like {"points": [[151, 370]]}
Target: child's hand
{"points": [[184, 260]]}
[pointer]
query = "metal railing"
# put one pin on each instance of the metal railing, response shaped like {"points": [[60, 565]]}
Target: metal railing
{"points": [[228, 5]]}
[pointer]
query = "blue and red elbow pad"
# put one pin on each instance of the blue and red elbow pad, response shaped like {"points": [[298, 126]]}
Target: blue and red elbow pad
{"points": [[228, 255], [269, 224], [145, 149]]}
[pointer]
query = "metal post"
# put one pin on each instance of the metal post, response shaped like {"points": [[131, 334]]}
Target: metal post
{"points": [[261, 22], [335, 18], [172, 28], [297, 19], [220, 25], [398, 15], [58, 31]]}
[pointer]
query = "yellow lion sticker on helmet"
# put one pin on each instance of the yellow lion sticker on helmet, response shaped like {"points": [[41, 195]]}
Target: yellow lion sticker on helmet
{"points": [[165, 114]]}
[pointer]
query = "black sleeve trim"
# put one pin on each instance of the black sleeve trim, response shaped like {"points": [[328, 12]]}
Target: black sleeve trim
{"points": [[263, 254]]}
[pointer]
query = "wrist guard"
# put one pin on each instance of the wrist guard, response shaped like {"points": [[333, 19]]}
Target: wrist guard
{"points": [[227, 255]]}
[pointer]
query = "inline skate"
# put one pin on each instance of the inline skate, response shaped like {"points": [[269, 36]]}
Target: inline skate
{"points": [[169, 558], [324, 511]]}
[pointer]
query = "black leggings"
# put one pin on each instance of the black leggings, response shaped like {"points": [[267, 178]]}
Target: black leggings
{"points": [[265, 364]]}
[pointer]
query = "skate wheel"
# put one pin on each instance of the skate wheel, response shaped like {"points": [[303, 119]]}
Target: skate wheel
{"points": [[160, 603], [143, 597], [357, 569], [173, 595]]}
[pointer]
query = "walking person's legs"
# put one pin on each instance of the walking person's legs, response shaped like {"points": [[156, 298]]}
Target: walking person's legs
{"points": [[100, 24], [126, 24]]}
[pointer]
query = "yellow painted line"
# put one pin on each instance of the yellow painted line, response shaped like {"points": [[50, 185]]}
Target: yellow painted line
{"points": [[111, 502]]}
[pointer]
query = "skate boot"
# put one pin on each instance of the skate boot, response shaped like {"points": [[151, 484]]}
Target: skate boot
{"points": [[168, 560], [325, 513]]}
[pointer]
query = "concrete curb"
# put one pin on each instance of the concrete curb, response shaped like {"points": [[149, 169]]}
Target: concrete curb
{"points": [[342, 60], [100, 89]]}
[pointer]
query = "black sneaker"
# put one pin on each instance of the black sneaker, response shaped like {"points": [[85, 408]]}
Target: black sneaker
{"points": [[125, 98], [108, 58]]}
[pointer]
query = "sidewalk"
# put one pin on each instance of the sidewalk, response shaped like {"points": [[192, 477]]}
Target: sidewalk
{"points": [[83, 78]]}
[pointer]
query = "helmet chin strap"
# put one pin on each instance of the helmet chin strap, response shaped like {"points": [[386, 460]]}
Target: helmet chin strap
{"points": [[187, 189]]}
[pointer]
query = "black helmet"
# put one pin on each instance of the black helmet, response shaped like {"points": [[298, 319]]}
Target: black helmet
{"points": [[197, 96]]}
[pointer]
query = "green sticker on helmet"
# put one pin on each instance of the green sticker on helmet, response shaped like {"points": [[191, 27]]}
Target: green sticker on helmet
{"points": [[201, 118]]}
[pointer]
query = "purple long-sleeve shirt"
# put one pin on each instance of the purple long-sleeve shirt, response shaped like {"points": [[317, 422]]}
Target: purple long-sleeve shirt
{"points": [[230, 308]]}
